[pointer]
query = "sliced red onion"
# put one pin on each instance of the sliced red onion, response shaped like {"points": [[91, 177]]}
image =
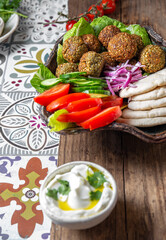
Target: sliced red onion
{"points": [[122, 76]]}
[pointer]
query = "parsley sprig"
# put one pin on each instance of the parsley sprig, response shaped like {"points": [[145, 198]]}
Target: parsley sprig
{"points": [[8, 7], [97, 179], [63, 189], [95, 195]]}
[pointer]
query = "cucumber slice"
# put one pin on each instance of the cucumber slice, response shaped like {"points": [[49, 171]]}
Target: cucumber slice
{"points": [[81, 89], [105, 92], [72, 75], [50, 82]]}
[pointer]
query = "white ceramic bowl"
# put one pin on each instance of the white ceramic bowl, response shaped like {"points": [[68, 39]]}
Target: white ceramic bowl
{"points": [[80, 223], [9, 27]]}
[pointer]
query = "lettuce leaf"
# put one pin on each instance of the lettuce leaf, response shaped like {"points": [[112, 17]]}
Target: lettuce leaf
{"points": [[80, 28], [141, 31], [57, 125], [101, 22], [43, 73], [60, 58]]}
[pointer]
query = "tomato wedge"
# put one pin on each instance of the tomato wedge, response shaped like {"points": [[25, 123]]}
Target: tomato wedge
{"points": [[111, 102], [80, 116], [83, 104], [62, 102], [53, 93], [103, 118]]}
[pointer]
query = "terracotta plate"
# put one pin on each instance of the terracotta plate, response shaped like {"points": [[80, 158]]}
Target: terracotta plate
{"points": [[152, 134]]}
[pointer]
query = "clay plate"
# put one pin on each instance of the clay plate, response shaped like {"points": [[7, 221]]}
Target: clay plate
{"points": [[155, 134]]}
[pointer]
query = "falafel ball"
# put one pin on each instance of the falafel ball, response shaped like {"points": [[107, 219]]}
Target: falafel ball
{"points": [[92, 63], [153, 58], [122, 47], [91, 42], [107, 33], [140, 44], [108, 59], [66, 68], [73, 49]]}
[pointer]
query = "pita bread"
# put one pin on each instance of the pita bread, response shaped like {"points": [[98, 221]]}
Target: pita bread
{"points": [[145, 85], [158, 112], [146, 105], [159, 92], [143, 122]]}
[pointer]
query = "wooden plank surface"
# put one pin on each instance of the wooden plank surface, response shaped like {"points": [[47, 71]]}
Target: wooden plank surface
{"points": [[139, 168]]}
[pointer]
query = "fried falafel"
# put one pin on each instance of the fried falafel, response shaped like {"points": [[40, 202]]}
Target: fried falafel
{"points": [[108, 59], [140, 44], [107, 33], [91, 42], [73, 49], [122, 47], [92, 63], [66, 68], [153, 58]]}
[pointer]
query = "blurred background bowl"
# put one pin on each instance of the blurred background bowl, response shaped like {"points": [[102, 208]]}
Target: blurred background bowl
{"points": [[9, 27]]}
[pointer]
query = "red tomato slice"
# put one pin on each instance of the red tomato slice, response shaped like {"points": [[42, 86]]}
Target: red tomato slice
{"points": [[83, 104], [80, 116], [112, 102], [62, 102], [103, 118], [53, 93]]}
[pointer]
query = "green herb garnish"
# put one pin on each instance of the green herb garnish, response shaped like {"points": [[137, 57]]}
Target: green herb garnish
{"points": [[7, 8], [95, 195], [53, 193], [64, 188], [97, 179]]}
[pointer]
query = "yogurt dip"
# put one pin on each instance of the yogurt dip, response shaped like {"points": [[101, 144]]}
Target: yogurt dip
{"points": [[79, 192]]}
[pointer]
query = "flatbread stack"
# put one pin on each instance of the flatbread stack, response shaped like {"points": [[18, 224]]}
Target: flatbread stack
{"points": [[147, 101]]}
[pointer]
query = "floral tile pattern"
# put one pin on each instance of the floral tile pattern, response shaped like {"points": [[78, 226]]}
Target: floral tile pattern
{"points": [[28, 150], [22, 64], [20, 211], [31, 29]]}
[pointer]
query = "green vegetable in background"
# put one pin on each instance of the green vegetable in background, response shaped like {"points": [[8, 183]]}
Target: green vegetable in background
{"points": [[101, 22], [97, 179], [141, 31], [60, 58], [43, 73], [7, 8], [80, 28], [57, 125]]}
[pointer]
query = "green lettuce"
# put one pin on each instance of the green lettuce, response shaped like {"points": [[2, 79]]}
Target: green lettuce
{"points": [[60, 58], [101, 22], [57, 125], [43, 73], [80, 28], [141, 31]]}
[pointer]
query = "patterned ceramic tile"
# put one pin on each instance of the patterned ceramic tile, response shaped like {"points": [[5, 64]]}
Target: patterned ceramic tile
{"points": [[22, 64], [20, 211], [31, 29], [22, 128]]}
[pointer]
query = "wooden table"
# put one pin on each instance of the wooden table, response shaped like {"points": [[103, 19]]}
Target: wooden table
{"points": [[139, 168]]}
